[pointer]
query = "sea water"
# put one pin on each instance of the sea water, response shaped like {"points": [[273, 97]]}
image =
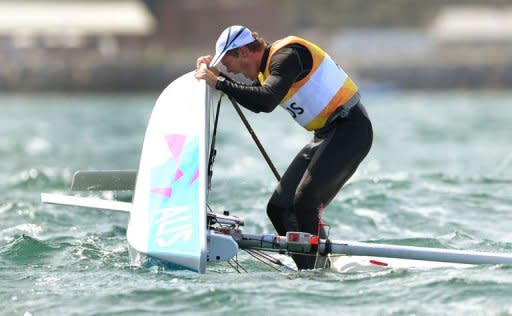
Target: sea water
{"points": [[439, 174]]}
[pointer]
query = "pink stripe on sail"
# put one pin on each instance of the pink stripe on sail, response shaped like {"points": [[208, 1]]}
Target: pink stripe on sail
{"points": [[175, 143], [178, 175], [195, 176], [162, 191]]}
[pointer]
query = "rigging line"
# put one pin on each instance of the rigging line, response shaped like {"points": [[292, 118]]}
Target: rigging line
{"points": [[233, 266], [213, 151], [263, 255], [268, 257], [274, 260], [238, 266], [255, 138], [260, 259]]}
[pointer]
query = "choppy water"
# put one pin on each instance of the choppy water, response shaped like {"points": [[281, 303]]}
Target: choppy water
{"points": [[439, 174]]}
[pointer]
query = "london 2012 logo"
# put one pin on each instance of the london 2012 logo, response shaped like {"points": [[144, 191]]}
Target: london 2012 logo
{"points": [[174, 194]]}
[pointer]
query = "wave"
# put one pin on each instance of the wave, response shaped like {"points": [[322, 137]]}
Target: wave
{"points": [[39, 178], [91, 252], [23, 249]]}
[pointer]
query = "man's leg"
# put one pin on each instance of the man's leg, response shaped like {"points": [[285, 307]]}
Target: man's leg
{"points": [[333, 163]]}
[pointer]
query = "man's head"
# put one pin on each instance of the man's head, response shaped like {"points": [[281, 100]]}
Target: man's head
{"points": [[239, 50]]}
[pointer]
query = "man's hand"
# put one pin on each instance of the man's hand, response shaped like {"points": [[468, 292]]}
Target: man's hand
{"points": [[203, 60], [206, 73]]}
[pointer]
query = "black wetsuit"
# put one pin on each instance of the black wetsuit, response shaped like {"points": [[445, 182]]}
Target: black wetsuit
{"points": [[324, 165]]}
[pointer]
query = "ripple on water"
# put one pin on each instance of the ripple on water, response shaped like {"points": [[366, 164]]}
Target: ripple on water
{"points": [[23, 249], [39, 178]]}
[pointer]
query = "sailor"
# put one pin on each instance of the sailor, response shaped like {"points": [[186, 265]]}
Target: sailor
{"points": [[302, 78]]}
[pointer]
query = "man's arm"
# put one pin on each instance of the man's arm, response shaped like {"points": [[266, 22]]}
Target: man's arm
{"points": [[286, 66]]}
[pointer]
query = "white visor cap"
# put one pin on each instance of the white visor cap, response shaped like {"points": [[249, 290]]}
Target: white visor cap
{"points": [[233, 37]]}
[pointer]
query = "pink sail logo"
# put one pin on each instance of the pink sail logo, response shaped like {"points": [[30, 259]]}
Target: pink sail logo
{"points": [[174, 196], [176, 145]]}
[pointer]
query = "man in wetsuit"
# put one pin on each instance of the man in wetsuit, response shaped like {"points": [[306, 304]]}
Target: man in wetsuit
{"points": [[320, 96]]}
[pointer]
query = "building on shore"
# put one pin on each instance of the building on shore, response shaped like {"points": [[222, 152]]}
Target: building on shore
{"points": [[127, 45], [53, 43], [463, 47]]}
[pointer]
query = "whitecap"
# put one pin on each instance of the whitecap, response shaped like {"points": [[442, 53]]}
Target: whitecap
{"points": [[37, 145], [28, 228]]}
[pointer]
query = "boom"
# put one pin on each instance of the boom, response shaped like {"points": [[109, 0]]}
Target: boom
{"points": [[296, 242]]}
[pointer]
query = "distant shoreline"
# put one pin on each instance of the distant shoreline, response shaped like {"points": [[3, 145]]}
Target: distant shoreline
{"points": [[132, 77]]}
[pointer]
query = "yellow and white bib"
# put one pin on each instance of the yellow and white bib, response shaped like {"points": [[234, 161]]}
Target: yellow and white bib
{"points": [[314, 98]]}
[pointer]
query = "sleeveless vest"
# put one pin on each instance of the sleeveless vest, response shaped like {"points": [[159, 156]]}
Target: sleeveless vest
{"points": [[314, 98]]}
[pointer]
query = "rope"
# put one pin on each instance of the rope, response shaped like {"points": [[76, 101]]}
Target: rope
{"points": [[213, 151], [255, 138], [268, 259], [238, 268]]}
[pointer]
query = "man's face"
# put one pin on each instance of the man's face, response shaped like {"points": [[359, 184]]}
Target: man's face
{"points": [[232, 63], [241, 63]]}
